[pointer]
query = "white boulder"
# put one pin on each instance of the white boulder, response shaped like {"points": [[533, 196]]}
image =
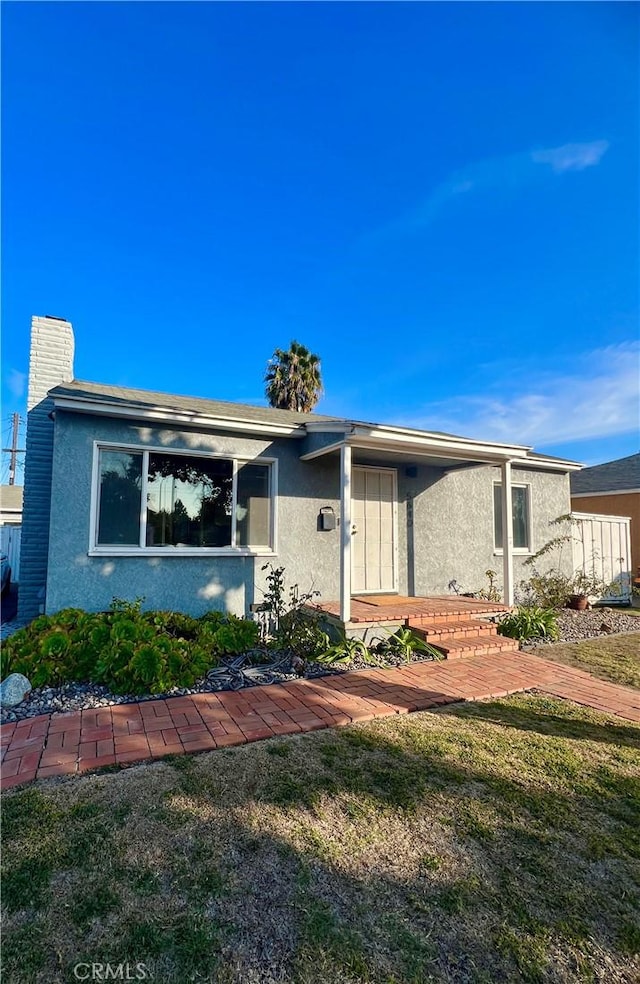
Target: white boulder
{"points": [[14, 689]]}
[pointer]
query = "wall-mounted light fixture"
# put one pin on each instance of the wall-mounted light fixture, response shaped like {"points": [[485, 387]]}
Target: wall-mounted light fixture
{"points": [[327, 518]]}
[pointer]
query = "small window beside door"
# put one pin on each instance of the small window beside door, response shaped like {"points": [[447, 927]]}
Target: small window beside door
{"points": [[521, 507]]}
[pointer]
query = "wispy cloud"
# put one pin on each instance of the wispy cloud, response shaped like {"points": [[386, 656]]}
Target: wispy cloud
{"points": [[572, 157], [16, 383], [553, 410], [510, 172]]}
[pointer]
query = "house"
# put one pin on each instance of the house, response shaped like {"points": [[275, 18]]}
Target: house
{"points": [[10, 505], [11, 525], [611, 489], [184, 501]]}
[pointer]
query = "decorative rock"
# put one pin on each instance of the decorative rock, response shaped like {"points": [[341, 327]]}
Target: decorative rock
{"points": [[14, 689], [575, 626]]}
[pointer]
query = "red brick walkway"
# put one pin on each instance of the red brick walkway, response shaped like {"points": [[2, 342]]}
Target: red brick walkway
{"points": [[62, 744]]}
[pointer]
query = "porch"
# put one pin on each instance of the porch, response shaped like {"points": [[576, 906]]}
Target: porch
{"points": [[386, 529], [457, 626]]}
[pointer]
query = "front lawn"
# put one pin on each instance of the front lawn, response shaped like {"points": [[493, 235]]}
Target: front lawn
{"points": [[495, 841], [615, 658]]}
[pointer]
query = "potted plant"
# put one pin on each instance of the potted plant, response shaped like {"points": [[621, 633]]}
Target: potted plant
{"points": [[585, 589]]}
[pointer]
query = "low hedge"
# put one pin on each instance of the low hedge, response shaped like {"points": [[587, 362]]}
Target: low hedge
{"points": [[126, 649]]}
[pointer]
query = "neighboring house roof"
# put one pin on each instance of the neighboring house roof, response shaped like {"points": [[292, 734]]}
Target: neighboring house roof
{"points": [[11, 498], [620, 475], [88, 397]]}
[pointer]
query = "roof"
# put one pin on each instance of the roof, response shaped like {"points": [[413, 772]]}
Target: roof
{"points": [[87, 397], [101, 393], [612, 476], [143, 399], [11, 498]]}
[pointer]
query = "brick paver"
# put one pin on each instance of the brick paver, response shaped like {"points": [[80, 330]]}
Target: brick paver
{"points": [[63, 744], [389, 608]]}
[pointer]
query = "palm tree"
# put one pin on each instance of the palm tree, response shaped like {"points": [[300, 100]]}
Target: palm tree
{"points": [[293, 379]]}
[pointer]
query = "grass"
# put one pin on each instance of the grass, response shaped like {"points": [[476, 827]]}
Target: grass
{"points": [[488, 842], [615, 658]]}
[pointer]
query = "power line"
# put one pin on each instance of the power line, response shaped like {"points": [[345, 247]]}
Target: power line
{"points": [[14, 450]]}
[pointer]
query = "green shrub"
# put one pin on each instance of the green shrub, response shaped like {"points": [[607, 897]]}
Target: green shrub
{"points": [[346, 650], [491, 592], [125, 649], [233, 635], [212, 619], [529, 622], [301, 631], [404, 642], [175, 623], [551, 589], [53, 649], [297, 623]]}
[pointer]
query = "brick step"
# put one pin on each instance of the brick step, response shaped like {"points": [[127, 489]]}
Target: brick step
{"points": [[452, 617], [488, 645], [469, 629]]}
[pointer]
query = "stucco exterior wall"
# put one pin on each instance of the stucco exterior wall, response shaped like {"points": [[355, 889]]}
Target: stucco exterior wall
{"points": [[452, 531], [620, 504], [445, 525], [192, 584]]}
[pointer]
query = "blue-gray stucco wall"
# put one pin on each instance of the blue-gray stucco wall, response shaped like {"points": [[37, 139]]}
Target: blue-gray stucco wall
{"points": [[194, 584], [450, 536]]}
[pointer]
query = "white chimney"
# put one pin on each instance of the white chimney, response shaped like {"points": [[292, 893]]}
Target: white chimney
{"points": [[50, 357]]}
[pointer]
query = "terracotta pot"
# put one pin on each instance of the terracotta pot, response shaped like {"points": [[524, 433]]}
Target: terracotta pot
{"points": [[579, 602]]}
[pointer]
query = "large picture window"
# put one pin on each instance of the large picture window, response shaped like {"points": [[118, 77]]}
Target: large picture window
{"points": [[155, 500], [521, 517]]}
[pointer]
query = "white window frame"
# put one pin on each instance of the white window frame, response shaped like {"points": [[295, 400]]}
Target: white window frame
{"points": [[521, 551], [142, 550]]}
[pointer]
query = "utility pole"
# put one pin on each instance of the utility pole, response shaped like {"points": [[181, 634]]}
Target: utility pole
{"points": [[14, 450]]}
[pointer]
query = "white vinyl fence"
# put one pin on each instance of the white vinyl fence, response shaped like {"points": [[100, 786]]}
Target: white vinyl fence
{"points": [[602, 546], [10, 545]]}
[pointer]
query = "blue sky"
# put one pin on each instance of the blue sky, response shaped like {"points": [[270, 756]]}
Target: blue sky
{"points": [[441, 200]]}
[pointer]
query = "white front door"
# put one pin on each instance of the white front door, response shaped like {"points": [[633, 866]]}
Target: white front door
{"points": [[374, 517]]}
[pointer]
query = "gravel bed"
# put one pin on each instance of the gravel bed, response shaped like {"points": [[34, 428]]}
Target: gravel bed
{"points": [[573, 626], [591, 624], [85, 696]]}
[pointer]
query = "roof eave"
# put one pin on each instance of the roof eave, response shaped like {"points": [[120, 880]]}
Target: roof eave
{"points": [[433, 446], [170, 415], [594, 492]]}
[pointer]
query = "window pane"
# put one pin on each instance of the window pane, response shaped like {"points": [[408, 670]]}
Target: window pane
{"points": [[189, 501], [253, 511], [520, 518], [120, 492], [497, 516], [520, 506]]}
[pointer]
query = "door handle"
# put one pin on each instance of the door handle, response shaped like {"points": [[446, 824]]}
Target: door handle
{"points": [[354, 529]]}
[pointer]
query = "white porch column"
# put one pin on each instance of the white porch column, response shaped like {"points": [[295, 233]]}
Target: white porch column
{"points": [[507, 533], [345, 533]]}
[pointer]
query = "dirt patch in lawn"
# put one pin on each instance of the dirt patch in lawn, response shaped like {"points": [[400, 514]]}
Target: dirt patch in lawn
{"points": [[615, 658], [489, 842]]}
